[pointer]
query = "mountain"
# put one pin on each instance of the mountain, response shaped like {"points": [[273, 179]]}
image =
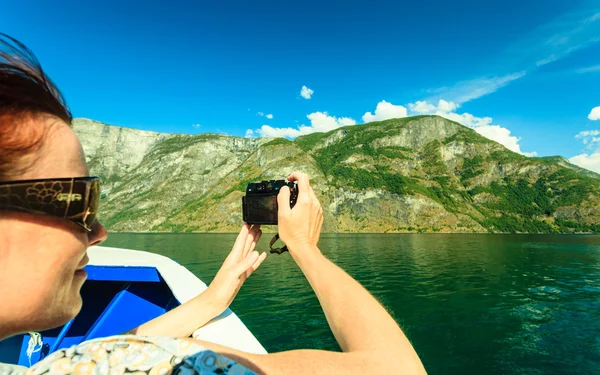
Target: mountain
{"points": [[421, 174]]}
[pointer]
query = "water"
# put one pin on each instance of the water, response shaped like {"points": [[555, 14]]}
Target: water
{"points": [[477, 304]]}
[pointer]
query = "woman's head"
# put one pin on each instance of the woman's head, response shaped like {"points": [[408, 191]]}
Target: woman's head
{"points": [[40, 255]]}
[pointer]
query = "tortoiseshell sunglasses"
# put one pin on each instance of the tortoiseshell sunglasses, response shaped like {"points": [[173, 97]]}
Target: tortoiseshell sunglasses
{"points": [[74, 199]]}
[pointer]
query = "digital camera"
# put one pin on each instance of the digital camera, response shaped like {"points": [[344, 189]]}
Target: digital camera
{"points": [[259, 205]]}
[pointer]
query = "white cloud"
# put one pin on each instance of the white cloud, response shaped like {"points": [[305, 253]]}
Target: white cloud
{"points": [[422, 107], [385, 111], [466, 119], [196, 125], [262, 114], [425, 108], [322, 122], [465, 91], [306, 93], [269, 131], [553, 41], [567, 46], [594, 114], [587, 133], [589, 69], [445, 106], [559, 38], [589, 137], [547, 60], [319, 122], [249, 133], [482, 125], [588, 161], [502, 136]]}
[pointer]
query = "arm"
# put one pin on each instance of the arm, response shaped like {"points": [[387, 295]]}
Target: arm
{"points": [[358, 322], [188, 317], [183, 320], [370, 338]]}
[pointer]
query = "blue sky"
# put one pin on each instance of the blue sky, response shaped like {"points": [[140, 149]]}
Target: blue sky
{"points": [[525, 73]]}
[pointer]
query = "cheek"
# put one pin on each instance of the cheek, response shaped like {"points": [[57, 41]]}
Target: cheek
{"points": [[39, 259], [60, 250]]}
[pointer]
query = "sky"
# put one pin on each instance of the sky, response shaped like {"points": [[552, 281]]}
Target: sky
{"points": [[524, 73]]}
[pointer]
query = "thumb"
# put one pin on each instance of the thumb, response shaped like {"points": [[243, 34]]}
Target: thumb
{"points": [[283, 200], [245, 264]]}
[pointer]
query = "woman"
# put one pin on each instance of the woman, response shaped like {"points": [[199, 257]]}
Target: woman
{"points": [[48, 220]]}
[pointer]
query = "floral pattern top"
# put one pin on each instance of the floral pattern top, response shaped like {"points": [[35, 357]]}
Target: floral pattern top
{"points": [[139, 355]]}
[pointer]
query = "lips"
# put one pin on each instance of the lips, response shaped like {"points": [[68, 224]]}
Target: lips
{"points": [[83, 263]]}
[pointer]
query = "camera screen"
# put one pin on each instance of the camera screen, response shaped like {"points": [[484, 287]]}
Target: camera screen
{"points": [[262, 210]]}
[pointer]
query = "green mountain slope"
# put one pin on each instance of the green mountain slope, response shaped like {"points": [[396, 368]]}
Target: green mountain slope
{"points": [[423, 173]]}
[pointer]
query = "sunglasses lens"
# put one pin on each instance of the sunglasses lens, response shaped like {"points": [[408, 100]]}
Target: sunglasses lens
{"points": [[75, 199], [93, 203]]}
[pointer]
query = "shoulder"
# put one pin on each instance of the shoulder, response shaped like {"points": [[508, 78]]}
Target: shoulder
{"points": [[129, 354]]}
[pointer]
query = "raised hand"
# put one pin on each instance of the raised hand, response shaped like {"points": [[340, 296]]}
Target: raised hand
{"points": [[237, 267], [302, 224]]}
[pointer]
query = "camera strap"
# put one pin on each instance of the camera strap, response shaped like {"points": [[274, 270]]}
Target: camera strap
{"points": [[277, 250]]}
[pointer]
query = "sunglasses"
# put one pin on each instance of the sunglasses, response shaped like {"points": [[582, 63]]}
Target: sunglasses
{"points": [[74, 199]]}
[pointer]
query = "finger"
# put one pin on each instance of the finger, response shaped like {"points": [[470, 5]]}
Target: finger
{"points": [[241, 238], [252, 244], [249, 240], [256, 264], [283, 201], [245, 264], [243, 233], [256, 239], [298, 176], [237, 251], [245, 274], [303, 186], [301, 178]]}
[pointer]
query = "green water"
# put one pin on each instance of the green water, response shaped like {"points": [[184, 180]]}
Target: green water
{"points": [[476, 304]]}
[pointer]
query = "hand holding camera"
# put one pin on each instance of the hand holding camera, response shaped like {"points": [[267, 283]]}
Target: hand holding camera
{"points": [[300, 226], [291, 205]]}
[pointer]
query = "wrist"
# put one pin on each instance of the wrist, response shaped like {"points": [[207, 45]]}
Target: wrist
{"points": [[301, 245], [304, 252], [207, 302]]}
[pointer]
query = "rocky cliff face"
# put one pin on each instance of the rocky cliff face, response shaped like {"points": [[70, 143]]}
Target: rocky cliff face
{"points": [[422, 173]]}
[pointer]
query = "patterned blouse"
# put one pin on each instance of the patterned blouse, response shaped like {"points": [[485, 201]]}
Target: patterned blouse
{"points": [[139, 355]]}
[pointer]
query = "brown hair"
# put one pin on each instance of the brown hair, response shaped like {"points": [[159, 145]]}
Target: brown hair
{"points": [[26, 93]]}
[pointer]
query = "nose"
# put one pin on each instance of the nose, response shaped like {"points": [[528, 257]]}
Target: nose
{"points": [[98, 234]]}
